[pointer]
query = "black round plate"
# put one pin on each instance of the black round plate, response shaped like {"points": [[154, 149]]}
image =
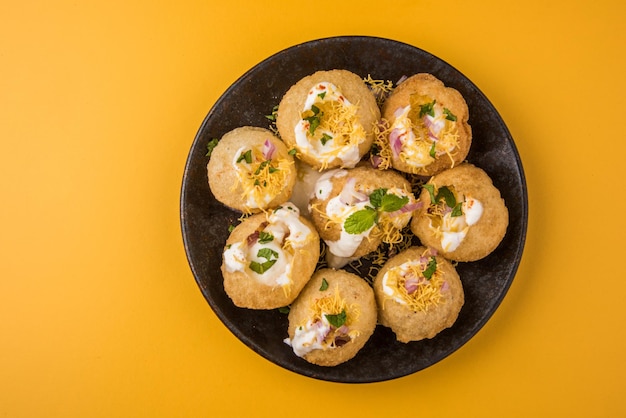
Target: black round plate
{"points": [[205, 221]]}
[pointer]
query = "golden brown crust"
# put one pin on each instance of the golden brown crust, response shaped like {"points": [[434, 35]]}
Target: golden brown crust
{"points": [[247, 292], [358, 296], [366, 178], [484, 236], [352, 87], [223, 179], [427, 85], [407, 324]]}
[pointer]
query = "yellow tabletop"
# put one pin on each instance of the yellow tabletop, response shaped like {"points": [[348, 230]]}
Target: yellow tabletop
{"points": [[100, 315]]}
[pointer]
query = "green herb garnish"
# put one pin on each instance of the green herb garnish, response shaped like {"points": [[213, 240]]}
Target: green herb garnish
{"points": [[211, 145], [457, 210], [325, 138], [449, 115], [292, 151], [431, 192], [447, 195], [268, 254], [265, 237], [427, 109], [284, 309], [432, 151], [361, 220], [324, 285], [338, 320], [314, 120], [247, 156], [431, 268], [322, 95]]}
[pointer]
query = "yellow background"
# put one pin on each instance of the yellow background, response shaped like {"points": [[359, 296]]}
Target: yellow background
{"points": [[99, 104]]}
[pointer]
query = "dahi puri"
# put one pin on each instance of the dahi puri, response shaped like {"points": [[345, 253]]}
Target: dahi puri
{"points": [[356, 209], [462, 215], [251, 170], [428, 130], [332, 319], [328, 117], [269, 257], [418, 294]]}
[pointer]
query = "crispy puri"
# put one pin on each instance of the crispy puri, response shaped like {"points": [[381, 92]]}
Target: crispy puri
{"points": [[483, 237], [353, 88], [364, 180], [415, 307], [339, 294], [426, 87], [232, 182], [247, 289]]}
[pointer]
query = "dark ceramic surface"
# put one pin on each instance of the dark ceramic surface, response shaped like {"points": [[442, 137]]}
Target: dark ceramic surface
{"points": [[205, 222]]}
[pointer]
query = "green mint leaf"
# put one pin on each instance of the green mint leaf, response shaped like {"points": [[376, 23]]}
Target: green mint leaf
{"points": [[431, 192], [292, 151], [360, 221], [324, 285], [447, 195], [265, 237], [457, 210], [431, 268], [325, 138], [247, 156], [427, 109], [391, 202], [449, 115], [211, 145], [338, 320], [376, 197]]}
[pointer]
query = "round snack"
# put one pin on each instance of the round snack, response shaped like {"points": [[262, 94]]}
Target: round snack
{"points": [[356, 209], [269, 257], [428, 130], [462, 215], [418, 294], [332, 319], [328, 117], [250, 170]]}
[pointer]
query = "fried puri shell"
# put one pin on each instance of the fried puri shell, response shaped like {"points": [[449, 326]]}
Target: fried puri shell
{"points": [[247, 292], [351, 86], [410, 325], [428, 85], [483, 237], [223, 179], [359, 298], [366, 177]]}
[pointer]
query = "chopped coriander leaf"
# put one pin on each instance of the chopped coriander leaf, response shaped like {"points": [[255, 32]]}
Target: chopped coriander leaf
{"points": [[272, 169], [449, 115], [284, 309], [261, 167], [432, 151], [337, 320], [324, 285], [265, 237], [247, 156], [272, 117], [314, 120], [430, 268], [292, 151], [321, 95], [360, 221], [427, 109], [230, 228], [325, 138], [267, 253], [211, 145], [447, 195], [457, 210]]}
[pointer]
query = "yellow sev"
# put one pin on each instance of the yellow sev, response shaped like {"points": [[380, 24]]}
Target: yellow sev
{"points": [[341, 121], [334, 304], [428, 292], [262, 179]]}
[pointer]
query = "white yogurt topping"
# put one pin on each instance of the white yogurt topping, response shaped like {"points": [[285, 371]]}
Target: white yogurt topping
{"points": [[454, 229], [329, 151], [309, 336]]}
